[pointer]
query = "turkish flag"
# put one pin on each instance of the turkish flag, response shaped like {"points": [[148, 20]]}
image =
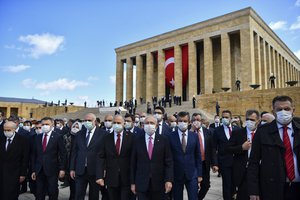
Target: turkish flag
{"points": [[185, 64], [169, 68]]}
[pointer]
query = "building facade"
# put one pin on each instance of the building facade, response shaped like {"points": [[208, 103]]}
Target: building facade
{"points": [[204, 58]]}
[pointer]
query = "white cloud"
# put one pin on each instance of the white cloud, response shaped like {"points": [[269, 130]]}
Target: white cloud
{"points": [[83, 97], [15, 68], [297, 3], [112, 79], [296, 25], [279, 25], [93, 78], [297, 53], [28, 83], [44, 44]]}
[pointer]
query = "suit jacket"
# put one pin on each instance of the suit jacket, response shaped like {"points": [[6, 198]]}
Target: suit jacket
{"points": [[82, 154], [24, 133], [53, 159], [117, 167], [186, 165], [240, 156], [225, 159], [266, 171], [159, 169], [165, 129], [212, 126]]}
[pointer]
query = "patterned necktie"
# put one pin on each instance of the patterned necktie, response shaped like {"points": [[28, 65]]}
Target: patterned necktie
{"points": [[288, 156], [87, 138], [183, 142], [201, 146], [230, 132], [45, 142], [9, 143], [118, 143], [150, 147]]}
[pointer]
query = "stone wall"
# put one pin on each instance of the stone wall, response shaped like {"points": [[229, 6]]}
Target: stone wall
{"points": [[41, 112], [239, 102]]}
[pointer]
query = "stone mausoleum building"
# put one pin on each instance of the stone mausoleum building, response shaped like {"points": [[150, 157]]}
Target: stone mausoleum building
{"points": [[206, 57]]}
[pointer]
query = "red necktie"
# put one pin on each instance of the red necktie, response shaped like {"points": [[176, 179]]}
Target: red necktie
{"points": [[201, 146], [229, 128], [252, 135], [118, 143], [288, 156], [150, 147], [45, 142]]}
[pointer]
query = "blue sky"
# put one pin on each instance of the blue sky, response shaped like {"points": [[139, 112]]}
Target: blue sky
{"points": [[56, 50]]}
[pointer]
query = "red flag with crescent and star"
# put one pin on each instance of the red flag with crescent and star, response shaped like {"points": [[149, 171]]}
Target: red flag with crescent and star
{"points": [[169, 68]]}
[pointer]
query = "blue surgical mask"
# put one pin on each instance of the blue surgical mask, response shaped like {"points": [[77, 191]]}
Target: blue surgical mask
{"points": [[88, 125]]}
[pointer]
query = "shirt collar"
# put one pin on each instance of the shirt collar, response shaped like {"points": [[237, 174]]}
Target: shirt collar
{"points": [[116, 134], [290, 126], [147, 136], [11, 138], [93, 130], [180, 132]]}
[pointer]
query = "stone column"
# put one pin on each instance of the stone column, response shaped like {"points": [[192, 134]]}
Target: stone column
{"points": [[161, 89], [119, 80], [226, 65], [192, 77], [268, 63], [264, 71], [285, 72], [149, 77], [282, 71], [129, 79], [279, 70], [208, 65], [257, 60], [178, 70], [139, 80], [247, 58], [289, 71]]}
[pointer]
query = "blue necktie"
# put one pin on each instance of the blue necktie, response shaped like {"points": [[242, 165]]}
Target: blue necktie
{"points": [[87, 138]]}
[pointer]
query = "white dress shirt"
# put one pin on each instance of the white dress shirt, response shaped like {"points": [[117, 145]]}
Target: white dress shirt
{"points": [[160, 125], [147, 140], [121, 138], [291, 137], [180, 135], [249, 138], [226, 130], [48, 137]]}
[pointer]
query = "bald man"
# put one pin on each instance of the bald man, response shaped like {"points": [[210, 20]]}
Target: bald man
{"points": [[83, 159], [14, 157], [114, 159], [108, 119]]}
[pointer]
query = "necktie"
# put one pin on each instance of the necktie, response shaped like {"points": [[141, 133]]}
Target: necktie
{"points": [[252, 135], [288, 156], [118, 142], [9, 143], [45, 142], [201, 146], [229, 128], [87, 138], [183, 142], [150, 147]]}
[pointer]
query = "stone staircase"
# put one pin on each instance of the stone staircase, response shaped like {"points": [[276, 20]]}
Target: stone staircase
{"points": [[101, 112]]}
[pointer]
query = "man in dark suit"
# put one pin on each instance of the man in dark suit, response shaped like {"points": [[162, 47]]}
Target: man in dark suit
{"points": [[208, 153], [129, 125], [274, 163], [187, 159], [163, 128], [221, 137], [108, 123], [240, 145], [216, 123], [151, 164], [48, 160], [83, 163], [14, 156], [1, 123], [113, 169]]}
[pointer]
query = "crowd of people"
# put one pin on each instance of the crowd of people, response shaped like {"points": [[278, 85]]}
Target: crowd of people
{"points": [[153, 156]]}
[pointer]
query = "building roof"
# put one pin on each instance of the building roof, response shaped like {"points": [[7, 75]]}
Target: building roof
{"points": [[21, 100]]}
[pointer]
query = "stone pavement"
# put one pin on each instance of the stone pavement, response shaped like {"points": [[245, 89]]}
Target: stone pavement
{"points": [[215, 192]]}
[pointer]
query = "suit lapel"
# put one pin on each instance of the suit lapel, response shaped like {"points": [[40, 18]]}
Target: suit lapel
{"points": [[50, 140], [156, 144], [296, 129], [124, 141], [95, 135], [144, 145], [275, 135], [177, 140]]}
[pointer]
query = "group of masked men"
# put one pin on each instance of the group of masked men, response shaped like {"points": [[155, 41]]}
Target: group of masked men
{"points": [[150, 157]]}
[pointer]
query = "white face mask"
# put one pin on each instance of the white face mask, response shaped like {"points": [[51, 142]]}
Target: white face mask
{"points": [[225, 121], [197, 124], [149, 129], [8, 134], [251, 125], [142, 119], [118, 128], [262, 122], [217, 120], [284, 117], [182, 126], [136, 120], [38, 131], [158, 117], [74, 130], [128, 125], [108, 124], [173, 124], [46, 128], [26, 128]]}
